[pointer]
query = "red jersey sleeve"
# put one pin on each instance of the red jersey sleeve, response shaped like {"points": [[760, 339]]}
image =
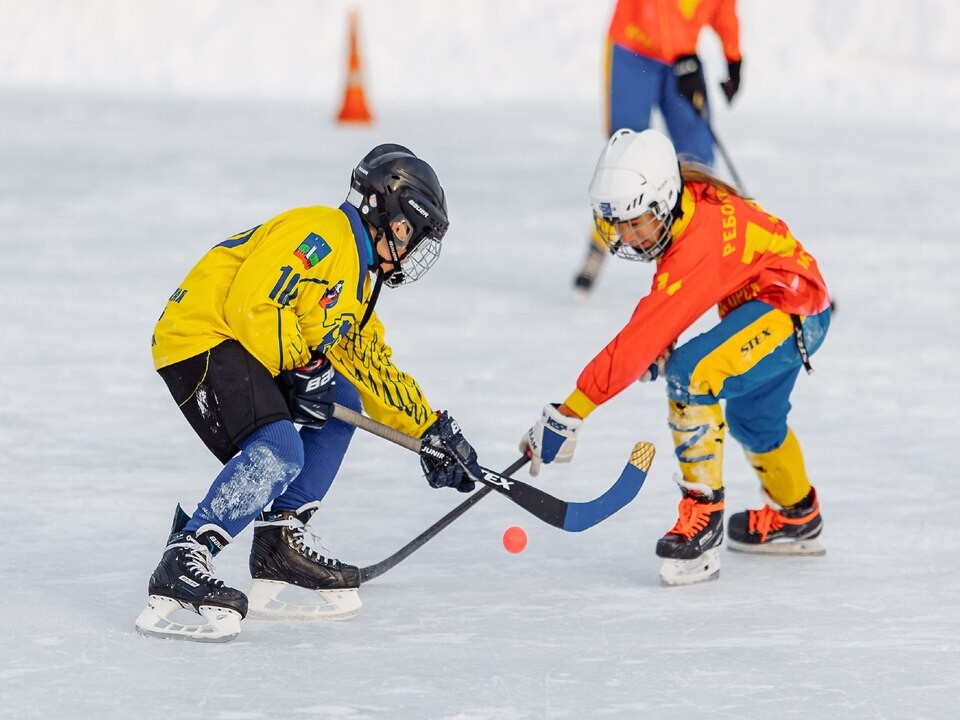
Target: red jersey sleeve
{"points": [[684, 287], [727, 27], [727, 251]]}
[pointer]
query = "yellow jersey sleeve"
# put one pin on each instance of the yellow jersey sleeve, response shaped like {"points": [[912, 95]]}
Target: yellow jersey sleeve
{"points": [[389, 395]]}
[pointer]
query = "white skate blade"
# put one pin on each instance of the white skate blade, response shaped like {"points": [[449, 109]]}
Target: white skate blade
{"points": [[300, 603], [809, 546], [687, 572], [157, 620]]}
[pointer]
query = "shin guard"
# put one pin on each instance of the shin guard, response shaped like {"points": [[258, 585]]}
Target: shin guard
{"points": [[698, 433]]}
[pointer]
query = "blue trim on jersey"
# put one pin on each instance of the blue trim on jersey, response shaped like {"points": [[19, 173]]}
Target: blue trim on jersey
{"points": [[364, 244], [238, 239]]}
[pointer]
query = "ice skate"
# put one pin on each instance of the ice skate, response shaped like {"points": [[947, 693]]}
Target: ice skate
{"points": [[689, 551], [186, 601], [292, 580], [779, 530]]}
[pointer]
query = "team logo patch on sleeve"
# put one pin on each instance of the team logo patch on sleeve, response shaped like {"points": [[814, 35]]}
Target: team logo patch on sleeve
{"points": [[312, 250], [331, 296]]}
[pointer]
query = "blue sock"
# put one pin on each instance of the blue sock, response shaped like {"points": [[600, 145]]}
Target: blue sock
{"points": [[323, 450], [269, 459]]}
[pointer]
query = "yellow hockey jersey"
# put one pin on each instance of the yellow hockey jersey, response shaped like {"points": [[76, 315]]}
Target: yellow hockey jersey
{"points": [[299, 282]]}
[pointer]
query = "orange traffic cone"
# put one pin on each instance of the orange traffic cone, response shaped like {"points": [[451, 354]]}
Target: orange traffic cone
{"points": [[354, 108]]}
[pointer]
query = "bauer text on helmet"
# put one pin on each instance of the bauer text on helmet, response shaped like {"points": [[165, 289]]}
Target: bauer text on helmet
{"points": [[401, 199]]}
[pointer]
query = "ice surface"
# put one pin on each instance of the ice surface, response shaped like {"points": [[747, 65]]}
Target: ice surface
{"points": [[106, 200]]}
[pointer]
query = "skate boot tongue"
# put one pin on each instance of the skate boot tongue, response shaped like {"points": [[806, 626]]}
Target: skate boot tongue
{"points": [[302, 513]]}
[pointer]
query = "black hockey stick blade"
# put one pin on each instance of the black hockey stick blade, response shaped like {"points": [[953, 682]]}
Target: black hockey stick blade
{"points": [[378, 569]]}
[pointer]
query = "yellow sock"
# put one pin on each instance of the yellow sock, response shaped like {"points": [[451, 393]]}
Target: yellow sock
{"points": [[698, 432], [781, 471]]}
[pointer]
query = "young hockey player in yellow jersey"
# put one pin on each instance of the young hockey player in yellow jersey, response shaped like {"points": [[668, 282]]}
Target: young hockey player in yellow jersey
{"points": [[270, 328]]}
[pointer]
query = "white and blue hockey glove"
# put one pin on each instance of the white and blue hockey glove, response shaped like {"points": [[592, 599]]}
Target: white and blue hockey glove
{"points": [[552, 439]]}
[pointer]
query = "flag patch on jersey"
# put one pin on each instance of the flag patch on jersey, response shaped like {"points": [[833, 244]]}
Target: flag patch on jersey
{"points": [[312, 250]]}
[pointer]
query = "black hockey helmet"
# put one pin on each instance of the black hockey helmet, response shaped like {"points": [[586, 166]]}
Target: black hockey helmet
{"points": [[378, 151], [392, 184]]}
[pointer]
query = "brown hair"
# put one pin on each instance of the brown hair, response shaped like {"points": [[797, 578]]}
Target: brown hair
{"points": [[694, 172]]}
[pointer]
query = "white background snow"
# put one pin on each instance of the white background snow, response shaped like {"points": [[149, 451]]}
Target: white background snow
{"points": [[135, 135]]}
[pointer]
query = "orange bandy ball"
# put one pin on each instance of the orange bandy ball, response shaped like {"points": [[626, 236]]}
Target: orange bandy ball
{"points": [[514, 539]]}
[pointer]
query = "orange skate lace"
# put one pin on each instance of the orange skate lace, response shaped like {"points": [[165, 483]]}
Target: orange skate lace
{"points": [[766, 519], [693, 516]]}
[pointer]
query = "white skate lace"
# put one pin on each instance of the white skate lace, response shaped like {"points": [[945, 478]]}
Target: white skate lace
{"points": [[308, 546], [199, 562]]}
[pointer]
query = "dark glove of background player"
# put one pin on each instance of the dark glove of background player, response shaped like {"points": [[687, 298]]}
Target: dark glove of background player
{"points": [[731, 86], [690, 83]]}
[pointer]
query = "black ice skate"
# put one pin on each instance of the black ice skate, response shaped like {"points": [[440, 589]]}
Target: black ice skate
{"points": [[184, 583], [793, 530], [284, 558], [690, 550]]}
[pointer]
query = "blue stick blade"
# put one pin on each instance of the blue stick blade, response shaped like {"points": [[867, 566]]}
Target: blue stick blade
{"points": [[580, 516]]}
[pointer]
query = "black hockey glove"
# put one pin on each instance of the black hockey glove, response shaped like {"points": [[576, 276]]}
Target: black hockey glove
{"points": [[731, 86], [310, 391], [444, 453], [690, 83]]}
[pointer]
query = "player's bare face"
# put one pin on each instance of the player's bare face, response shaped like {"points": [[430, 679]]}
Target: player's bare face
{"points": [[642, 232], [401, 237]]}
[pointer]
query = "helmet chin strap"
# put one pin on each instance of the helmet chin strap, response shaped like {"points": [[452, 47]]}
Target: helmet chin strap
{"points": [[381, 275], [394, 259], [384, 232], [371, 303]]}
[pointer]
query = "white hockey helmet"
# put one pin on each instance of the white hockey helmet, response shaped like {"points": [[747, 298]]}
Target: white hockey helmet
{"points": [[635, 193]]}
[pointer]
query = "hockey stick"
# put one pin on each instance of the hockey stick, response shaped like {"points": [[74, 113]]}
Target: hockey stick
{"points": [[723, 151], [569, 516], [378, 569], [726, 158]]}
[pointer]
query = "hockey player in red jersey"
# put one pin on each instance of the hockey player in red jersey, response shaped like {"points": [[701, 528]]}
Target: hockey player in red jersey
{"points": [[652, 64], [712, 248]]}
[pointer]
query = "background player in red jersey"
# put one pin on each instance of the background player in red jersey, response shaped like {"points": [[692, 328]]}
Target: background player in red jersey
{"points": [[652, 64], [712, 248]]}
